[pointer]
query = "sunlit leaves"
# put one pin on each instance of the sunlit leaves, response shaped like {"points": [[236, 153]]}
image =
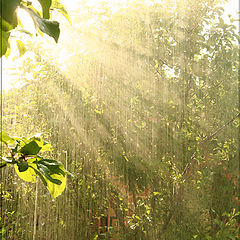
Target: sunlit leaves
{"points": [[9, 21], [158, 118], [29, 165], [46, 171]]}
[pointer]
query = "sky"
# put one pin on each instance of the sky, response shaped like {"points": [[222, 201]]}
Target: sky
{"points": [[10, 65]]}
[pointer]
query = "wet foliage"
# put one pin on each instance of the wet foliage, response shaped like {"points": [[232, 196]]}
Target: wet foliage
{"points": [[145, 114]]}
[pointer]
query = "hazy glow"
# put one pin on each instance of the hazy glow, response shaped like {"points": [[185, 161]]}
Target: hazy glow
{"points": [[230, 7], [26, 20]]}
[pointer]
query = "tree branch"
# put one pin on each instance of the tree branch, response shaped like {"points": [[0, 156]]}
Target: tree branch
{"points": [[220, 129], [3, 165]]}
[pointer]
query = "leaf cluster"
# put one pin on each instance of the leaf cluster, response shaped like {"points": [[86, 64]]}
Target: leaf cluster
{"points": [[28, 164], [42, 21]]}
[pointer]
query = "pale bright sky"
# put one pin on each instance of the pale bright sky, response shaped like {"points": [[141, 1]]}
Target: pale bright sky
{"points": [[232, 7]]}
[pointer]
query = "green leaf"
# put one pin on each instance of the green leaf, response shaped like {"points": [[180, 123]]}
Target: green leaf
{"points": [[47, 26], [31, 148], [5, 33], [45, 4], [5, 138], [55, 189], [22, 166], [29, 175], [46, 171], [21, 47], [56, 170]]}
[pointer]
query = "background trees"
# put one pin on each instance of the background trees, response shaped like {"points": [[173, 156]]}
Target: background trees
{"points": [[147, 106]]}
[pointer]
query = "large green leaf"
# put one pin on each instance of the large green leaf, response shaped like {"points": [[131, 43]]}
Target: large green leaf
{"points": [[49, 27], [54, 175], [5, 138], [31, 148], [45, 4]]}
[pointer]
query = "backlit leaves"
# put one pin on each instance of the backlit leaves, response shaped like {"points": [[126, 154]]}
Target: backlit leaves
{"points": [[29, 165], [9, 21]]}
